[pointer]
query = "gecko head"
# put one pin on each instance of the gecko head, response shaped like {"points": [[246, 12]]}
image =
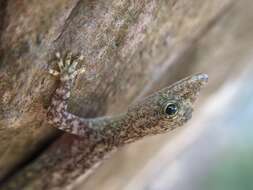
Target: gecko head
{"points": [[177, 101], [170, 107]]}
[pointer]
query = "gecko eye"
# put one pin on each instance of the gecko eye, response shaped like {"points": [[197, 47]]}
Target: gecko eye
{"points": [[171, 109]]}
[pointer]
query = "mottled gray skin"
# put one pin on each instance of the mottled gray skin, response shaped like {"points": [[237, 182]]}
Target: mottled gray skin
{"points": [[146, 117]]}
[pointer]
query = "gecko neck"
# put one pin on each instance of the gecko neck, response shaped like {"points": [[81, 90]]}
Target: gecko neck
{"points": [[113, 130]]}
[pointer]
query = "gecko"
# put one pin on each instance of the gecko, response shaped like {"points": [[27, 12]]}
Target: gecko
{"points": [[158, 113]]}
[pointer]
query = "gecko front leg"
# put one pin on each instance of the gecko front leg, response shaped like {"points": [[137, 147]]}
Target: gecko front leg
{"points": [[91, 129], [67, 72]]}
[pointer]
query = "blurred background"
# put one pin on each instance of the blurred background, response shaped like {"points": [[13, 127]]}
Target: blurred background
{"points": [[215, 149], [131, 49]]}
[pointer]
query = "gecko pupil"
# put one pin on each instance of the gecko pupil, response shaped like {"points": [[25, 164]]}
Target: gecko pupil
{"points": [[171, 109]]}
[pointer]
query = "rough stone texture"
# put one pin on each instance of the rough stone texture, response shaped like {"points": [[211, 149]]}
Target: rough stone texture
{"points": [[130, 49]]}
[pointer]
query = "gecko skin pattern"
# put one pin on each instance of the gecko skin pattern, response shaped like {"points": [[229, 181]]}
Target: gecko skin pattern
{"points": [[158, 113]]}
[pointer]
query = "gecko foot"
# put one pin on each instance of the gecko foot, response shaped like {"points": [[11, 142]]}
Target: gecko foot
{"points": [[67, 66]]}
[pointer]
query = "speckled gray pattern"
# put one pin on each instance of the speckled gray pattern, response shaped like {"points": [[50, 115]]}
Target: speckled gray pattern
{"points": [[158, 113]]}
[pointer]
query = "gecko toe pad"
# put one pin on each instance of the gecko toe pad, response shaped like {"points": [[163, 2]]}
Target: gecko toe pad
{"points": [[67, 66]]}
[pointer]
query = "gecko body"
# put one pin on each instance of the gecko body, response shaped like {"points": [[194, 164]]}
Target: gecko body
{"points": [[158, 113]]}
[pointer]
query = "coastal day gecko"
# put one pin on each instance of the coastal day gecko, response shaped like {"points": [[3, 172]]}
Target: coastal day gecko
{"points": [[158, 113]]}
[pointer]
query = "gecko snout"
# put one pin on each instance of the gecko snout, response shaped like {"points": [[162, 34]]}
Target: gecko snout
{"points": [[189, 88]]}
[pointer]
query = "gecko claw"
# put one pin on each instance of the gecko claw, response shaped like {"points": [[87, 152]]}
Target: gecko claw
{"points": [[79, 71], [68, 59], [58, 55], [54, 72], [82, 70], [81, 57]]}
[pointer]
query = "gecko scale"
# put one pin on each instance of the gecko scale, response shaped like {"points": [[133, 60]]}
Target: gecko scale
{"points": [[158, 113]]}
